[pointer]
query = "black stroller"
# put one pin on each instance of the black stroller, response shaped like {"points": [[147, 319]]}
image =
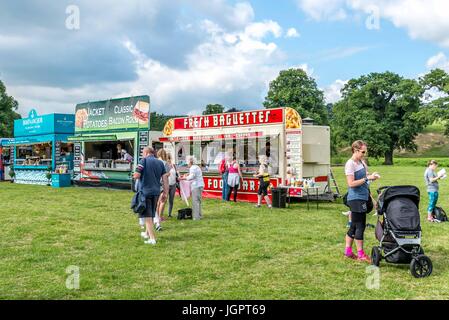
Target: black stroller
{"points": [[399, 232]]}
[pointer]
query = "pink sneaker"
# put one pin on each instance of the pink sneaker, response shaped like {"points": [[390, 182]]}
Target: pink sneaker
{"points": [[351, 256], [430, 219], [364, 258]]}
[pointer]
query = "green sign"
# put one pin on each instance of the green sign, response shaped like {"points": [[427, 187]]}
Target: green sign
{"points": [[130, 113]]}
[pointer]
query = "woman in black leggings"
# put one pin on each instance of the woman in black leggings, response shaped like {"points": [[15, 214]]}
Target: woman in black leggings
{"points": [[358, 195]]}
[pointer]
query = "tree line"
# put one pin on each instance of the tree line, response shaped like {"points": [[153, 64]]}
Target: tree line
{"points": [[385, 109]]}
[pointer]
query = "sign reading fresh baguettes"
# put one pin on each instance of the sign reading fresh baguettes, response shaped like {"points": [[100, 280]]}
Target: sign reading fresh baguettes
{"points": [[245, 118]]}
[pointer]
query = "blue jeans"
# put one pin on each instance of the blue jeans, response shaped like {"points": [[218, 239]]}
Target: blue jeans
{"points": [[225, 189], [433, 199]]}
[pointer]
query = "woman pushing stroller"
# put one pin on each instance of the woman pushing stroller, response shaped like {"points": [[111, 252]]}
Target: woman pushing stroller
{"points": [[357, 178]]}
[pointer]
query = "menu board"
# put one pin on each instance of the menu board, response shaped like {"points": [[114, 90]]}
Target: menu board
{"points": [[57, 149], [77, 157], [294, 153], [11, 155], [144, 140]]}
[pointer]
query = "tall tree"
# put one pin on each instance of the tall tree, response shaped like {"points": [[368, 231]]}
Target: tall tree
{"points": [[295, 89], [8, 107], [436, 84], [233, 110], [381, 109], [213, 109]]}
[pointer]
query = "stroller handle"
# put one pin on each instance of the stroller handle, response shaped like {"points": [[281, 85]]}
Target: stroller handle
{"points": [[379, 191]]}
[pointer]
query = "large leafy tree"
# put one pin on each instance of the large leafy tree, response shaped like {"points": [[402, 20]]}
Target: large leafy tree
{"points": [[436, 84], [381, 109], [8, 107], [295, 89], [213, 109]]}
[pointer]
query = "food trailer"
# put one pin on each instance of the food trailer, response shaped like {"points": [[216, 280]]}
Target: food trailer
{"points": [[109, 139], [298, 155], [6, 150], [41, 146]]}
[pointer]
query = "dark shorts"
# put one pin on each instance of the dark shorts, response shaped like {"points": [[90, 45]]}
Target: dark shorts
{"points": [[359, 206], [263, 188], [150, 211]]}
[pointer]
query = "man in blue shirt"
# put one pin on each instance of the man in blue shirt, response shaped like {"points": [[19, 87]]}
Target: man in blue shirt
{"points": [[150, 171]]}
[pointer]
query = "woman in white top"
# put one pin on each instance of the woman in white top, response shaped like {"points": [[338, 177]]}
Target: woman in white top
{"points": [[196, 176]]}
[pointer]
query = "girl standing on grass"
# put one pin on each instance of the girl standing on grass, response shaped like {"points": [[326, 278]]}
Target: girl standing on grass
{"points": [[358, 195], [431, 179], [234, 177], [264, 182]]}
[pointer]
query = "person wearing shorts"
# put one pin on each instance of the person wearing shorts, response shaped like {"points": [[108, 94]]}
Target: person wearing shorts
{"points": [[264, 182], [151, 173], [358, 195]]}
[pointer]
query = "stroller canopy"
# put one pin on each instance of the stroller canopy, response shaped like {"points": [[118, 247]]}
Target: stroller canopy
{"points": [[400, 205]]}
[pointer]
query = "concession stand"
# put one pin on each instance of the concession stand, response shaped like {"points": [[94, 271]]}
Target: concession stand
{"points": [[41, 146], [109, 139], [298, 155], [6, 157]]}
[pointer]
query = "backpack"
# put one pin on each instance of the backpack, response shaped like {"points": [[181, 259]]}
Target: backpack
{"points": [[222, 167], [184, 214], [440, 214]]}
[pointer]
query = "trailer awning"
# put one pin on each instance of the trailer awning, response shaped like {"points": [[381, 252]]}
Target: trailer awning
{"points": [[105, 137]]}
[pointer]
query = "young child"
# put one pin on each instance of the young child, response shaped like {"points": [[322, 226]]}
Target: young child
{"points": [[431, 179]]}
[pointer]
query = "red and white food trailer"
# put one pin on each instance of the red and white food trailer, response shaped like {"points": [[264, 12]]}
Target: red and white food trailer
{"points": [[296, 153]]}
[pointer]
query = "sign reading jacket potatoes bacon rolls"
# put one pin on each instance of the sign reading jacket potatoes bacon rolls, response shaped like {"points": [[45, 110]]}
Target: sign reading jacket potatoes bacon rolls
{"points": [[124, 113], [245, 118]]}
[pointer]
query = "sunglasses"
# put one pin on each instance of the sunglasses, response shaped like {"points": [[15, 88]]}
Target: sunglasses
{"points": [[363, 152]]}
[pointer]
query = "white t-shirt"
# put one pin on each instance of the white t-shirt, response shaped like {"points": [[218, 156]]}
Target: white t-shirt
{"points": [[172, 176], [351, 167], [196, 175]]}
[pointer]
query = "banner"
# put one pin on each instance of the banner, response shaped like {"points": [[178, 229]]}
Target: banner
{"points": [[116, 114]]}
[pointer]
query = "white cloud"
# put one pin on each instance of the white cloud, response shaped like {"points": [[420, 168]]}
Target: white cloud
{"points": [[232, 64], [231, 68], [292, 33], [319, 10], [423, 19], [217, 69], [332, 92], [438, 61]]}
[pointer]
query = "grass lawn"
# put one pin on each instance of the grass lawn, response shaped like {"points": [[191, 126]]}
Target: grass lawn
{"points": [[236, 252]]}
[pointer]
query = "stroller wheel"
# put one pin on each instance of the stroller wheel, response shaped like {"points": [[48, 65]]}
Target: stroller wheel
{"points": [[375, 256], [421, 266]]}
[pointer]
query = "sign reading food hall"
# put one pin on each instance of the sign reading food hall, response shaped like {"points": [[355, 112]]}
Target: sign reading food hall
{"points": [[124, 113]]}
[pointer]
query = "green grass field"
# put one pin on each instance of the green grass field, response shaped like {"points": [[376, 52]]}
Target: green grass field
{"points": [[236, 252]]}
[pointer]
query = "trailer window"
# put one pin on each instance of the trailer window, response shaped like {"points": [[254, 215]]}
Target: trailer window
{"points": [[210, 153]]}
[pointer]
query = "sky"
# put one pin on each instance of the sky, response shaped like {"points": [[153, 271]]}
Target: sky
{"points": [[186, 54]]}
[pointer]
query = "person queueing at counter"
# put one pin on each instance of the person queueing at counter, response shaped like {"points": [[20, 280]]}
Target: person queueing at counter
{"points": [[234, 177], [358, 194], [162, 156], [151, 173], [264, 182]]}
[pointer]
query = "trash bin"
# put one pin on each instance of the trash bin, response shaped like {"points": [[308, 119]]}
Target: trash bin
{"points": [[279, 197]]}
